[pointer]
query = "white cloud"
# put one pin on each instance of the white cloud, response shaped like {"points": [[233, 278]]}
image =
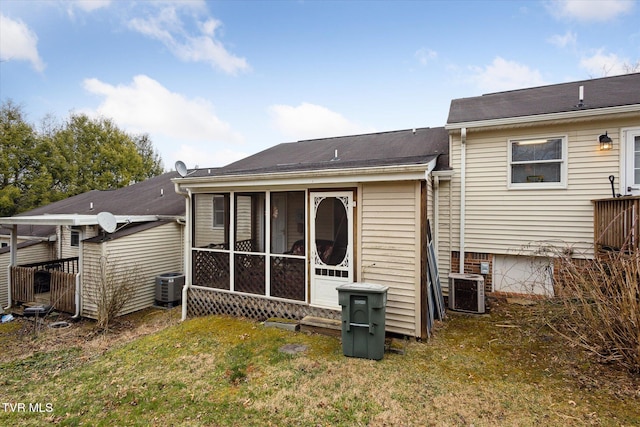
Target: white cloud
{"points": [[168, 28], [503, 75], [19, 43], [601, 64], [589, 10], [563, 40], [309, 121], [90, 5], [424, 55], [171, 119]]}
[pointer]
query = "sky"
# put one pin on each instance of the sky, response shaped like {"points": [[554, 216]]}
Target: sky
{"points": [[214, 81]]}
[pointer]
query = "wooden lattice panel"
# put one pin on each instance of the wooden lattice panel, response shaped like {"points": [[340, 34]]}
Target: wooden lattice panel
{"points": [[287, 278], [249, 274], [202, 302], [211, 269]]}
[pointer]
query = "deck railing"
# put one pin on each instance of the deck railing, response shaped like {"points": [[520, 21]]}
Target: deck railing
{"points": [[616, 224]]}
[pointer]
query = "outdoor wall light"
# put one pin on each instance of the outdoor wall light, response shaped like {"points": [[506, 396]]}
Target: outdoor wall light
{"points": [[605, 142]]}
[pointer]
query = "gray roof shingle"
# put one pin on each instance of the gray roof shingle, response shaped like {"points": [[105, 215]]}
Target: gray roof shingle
{"points": [[402, 147], [598, 93]]}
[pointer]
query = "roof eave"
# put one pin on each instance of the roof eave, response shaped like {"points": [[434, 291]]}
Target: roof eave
{"points": [[71, 220], [312, 177], [565, 115]]}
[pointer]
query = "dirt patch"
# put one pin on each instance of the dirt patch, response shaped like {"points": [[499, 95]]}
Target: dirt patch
{"points": [[26, 336]]}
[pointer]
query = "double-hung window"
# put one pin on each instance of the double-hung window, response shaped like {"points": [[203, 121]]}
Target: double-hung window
{"points": [[538, 163]]}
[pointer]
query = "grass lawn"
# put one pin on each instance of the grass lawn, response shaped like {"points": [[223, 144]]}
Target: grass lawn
{"points": [[505, 368]]}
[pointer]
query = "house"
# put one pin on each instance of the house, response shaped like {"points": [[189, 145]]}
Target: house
{"points": [[53, 254], [275, 233], [511, 178], [528, 164]]}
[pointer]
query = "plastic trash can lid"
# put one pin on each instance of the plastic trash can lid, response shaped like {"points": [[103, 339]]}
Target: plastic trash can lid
{"points": [[363, 287]]}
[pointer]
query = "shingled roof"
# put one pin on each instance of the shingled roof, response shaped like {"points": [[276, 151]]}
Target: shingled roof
{"points": [[403, 147], [598, 93], [154, 196]]}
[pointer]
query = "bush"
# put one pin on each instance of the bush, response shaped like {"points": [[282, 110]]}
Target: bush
{"points": [[601, 300], [114, 288]]}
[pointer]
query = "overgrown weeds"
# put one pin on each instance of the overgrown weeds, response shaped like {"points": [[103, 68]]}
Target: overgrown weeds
{"points": [[600, 301]]}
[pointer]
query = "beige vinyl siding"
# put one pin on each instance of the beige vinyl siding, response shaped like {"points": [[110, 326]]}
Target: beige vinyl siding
{"points": [[389, 249], [444, 232], [31, 254], [517, 221], [151, 252]]}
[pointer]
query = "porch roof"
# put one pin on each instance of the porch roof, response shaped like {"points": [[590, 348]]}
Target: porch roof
{"points": [[329, 159], [70, 219]]}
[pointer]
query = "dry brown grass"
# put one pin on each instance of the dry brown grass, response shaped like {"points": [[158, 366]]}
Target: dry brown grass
{"points": [[505, 368]]}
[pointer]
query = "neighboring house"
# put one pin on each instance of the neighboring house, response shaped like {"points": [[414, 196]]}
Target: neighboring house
{"points": [[528, 164], [63, 244], [275, 233]]}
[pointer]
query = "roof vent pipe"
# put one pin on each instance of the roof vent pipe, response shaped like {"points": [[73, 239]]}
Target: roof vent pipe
{"points": [[161, 192], [580, 97], [90, 206]]}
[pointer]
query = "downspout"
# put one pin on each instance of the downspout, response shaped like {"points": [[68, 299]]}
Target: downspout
{"points": [[463, 201], [187, 249], [79, 274], [13, 259]]}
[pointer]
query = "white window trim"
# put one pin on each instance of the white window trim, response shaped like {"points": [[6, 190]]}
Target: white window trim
{"points": [[540, 185], [626, 160], [213, 209]]}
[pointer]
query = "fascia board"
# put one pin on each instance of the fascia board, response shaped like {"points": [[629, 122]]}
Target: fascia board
{"points": [[309, 178], [566, 115]]}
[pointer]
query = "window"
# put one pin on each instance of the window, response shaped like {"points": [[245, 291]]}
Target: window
{"points": [[75, 238], [219, 213], [535, 163]]}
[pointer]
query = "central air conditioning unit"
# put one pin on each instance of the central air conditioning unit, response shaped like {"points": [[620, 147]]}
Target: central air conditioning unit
{"points": [[169, 289], [466, 292]]}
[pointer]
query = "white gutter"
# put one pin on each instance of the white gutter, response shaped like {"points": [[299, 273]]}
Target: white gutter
{"points": [[79, 275], [187, 248], [78, 289], [463, 202], [565, 115], [13, 258], [327, 177]]}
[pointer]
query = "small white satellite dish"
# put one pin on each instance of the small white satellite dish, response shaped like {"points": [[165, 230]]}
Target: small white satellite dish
{"points": [[181, 168], [107, 221]]}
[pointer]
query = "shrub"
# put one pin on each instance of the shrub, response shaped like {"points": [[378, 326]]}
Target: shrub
{"points": [[601, 301], [114, 285]]}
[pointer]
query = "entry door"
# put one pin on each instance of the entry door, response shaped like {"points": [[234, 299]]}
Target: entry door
{"points": [[632, 164], [331, 247]]}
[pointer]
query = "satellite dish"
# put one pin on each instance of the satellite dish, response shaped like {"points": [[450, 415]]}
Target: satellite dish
{"points": [[107, 221], [181, 168]]}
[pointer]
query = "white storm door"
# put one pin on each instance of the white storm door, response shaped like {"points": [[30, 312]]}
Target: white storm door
{"points": [[331, 247], [632, 161]]}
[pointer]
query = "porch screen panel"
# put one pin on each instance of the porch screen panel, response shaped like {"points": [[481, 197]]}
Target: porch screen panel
{"points": [[211, 221], [249, 244]]}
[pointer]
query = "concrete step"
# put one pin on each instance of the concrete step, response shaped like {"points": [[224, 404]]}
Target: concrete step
{"points": [[320, 325]]}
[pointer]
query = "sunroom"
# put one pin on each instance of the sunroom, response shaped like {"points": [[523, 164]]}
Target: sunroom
{"points": [[274, 234]]}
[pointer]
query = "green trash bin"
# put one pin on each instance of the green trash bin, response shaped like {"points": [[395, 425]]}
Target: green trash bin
{"points": [[363, 319]]}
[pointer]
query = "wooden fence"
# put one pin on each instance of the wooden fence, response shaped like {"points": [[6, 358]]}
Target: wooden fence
{"points": [[616, 224], [62, 288]]}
